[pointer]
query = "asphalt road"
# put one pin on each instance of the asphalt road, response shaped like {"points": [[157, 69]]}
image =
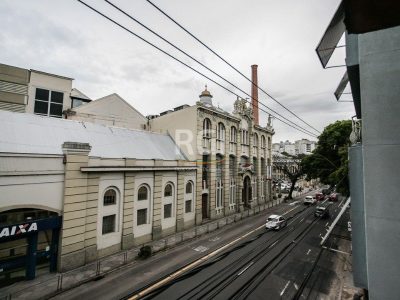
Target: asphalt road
{"points": [[266, 265], [262, 264]]}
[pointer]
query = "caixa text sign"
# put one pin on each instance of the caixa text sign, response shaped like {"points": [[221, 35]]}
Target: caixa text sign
{"points": [[15, 231]]}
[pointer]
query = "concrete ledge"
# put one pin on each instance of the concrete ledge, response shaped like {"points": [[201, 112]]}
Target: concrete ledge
{"points": [[158, 245], [200, 230], [238, 217], [127, 241], [189, 234], [212, 226], [230, 219], [222, 223]]}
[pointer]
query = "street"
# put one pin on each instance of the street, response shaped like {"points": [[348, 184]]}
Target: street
{"points": [[261, 263]]}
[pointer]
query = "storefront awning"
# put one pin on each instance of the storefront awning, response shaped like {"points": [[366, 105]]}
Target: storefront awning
{"points": [[342, 85]]}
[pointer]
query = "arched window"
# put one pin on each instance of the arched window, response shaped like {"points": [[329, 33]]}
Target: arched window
{"points": [[262, 141], [110, 197], [255, 140], [233, 135], [143, 193], [189, 187], [168, 190], [189, 197], [207, 128], [221, 132]]}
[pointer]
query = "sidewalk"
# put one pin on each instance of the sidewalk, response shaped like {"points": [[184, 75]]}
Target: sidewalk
{"points": [[48, 285]]}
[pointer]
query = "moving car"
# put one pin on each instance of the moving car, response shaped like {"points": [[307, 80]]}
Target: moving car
{"points": [[333, 197], [310, 200], [319, 196], [275, 222], [322, 210]]}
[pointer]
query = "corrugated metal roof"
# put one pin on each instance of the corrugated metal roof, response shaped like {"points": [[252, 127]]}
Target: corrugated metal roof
{"points": [[25, 133]]}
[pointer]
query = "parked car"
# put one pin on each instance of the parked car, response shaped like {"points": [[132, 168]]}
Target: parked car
{"points": [[323, 210], [319, 196], [275, 222], [310, 200], [333, 197]]}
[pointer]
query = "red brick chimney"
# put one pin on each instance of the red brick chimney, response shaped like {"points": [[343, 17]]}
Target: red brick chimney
{"points": [[254, 93]]}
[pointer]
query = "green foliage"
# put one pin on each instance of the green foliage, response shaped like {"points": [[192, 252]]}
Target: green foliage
{"points": [[329, 161]]}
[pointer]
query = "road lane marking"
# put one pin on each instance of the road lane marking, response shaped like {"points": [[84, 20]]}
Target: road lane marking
{"points": [[327, 224], [308, 252], [195, 263], [214, 239], [301, 220], [296, 286], [244, 270], [272, 245], [200, 249], [284, 289]]}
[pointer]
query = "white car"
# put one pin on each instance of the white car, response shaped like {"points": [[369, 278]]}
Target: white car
{"points": [[275, 222], [311, 200]]}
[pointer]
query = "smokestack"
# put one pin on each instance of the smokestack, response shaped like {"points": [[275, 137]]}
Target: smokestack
{"points": [[254, 93]]}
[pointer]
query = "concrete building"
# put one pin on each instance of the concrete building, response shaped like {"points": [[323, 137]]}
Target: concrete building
{"points": [[303, 146], [372, 32], [72, 192], [111, 110], [232, 152]]}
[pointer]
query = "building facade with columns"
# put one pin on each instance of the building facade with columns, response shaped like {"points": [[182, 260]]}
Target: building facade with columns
{"points": [[72, 192], [231, 151]]}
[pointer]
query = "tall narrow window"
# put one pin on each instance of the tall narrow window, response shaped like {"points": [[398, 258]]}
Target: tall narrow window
{"points": [[143, 193], [110, 197], [108, 224], [168, 201], [142, 216], [189, 197], [233, 135], [207, 128]]}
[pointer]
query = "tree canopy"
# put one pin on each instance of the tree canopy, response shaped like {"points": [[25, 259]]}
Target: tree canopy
{"points": [[329, 160]]}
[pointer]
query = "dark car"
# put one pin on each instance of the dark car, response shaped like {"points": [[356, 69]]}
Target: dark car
{"points": [[333, 197], [319, 196], [323, 210]]}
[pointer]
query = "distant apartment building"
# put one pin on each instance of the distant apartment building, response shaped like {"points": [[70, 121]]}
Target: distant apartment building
{"points": [[302, 146]]}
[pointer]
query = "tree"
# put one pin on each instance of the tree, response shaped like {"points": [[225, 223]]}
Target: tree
{"points": [[329, 160], [291, 167]]}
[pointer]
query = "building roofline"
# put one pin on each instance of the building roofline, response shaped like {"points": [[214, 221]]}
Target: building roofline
{"points": [[50, 74]]}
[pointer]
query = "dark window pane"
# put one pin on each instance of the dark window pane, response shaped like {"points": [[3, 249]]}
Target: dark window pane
{"points": [[41, 107], [142, 193], [55, 109], [142, 216], [189, 187], [42, 94], [110, 197], [57, 97], [77, 102], [188, 206], [167, 211], [168, 191], [108, 224]]}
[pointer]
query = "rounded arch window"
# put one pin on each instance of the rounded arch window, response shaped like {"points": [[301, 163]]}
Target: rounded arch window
{"points": [[168, 190], [255, 137], [110, 197], [143, 193], [233, 134], [221, 131], [189, 187], [206, 128], [263, 141]]}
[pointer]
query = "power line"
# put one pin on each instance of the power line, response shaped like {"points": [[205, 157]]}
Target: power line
{"points": [[197, 61], [183, 63], [225, 61]]}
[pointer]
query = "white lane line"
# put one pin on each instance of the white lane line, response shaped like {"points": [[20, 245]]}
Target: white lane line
{"points": [[272, 244], [284, 289], [200, 249], [296, 286], [308, 252], [327, 224], [301, 220], [289, 211], [244, 270]]}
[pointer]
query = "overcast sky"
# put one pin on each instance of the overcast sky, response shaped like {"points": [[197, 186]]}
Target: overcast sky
{"points": [[64, 37]]}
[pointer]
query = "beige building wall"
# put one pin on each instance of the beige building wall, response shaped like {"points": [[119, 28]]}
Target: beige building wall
{"points": [[181, 125], [49, 82], [13, 88], [111, 110]]}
